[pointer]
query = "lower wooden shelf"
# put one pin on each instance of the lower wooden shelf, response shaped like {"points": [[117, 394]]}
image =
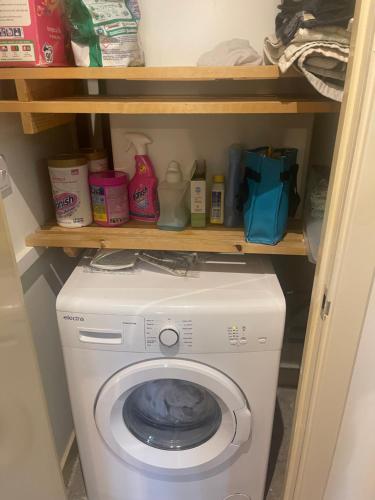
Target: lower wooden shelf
{"points": [[172, 105], [148, 237]]}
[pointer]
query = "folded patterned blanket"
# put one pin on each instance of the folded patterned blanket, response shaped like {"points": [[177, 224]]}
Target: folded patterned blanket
{"points": [[320, 54]]}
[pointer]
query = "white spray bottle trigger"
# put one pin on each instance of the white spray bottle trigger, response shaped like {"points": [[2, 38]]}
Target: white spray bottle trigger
{"points": [[139, 141]]}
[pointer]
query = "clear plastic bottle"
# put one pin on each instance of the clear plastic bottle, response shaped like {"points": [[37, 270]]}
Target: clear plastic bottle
{"points": [[217, 200], [174, 212]]}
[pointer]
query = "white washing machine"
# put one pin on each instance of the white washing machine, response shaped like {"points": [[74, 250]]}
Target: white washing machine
{"points": [[173, 380]]}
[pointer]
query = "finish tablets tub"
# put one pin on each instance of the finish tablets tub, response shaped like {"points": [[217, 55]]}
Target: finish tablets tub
{"points": [[109, 195], [70, 189]]}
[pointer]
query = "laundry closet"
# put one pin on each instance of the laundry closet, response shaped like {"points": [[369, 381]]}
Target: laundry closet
{"points": [[190, 113]]}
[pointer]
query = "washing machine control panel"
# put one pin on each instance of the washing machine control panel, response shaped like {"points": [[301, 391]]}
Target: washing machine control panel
{"points": [[168, 333]]}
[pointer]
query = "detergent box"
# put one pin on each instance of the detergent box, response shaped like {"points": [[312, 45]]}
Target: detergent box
{"points": [[32, 33]]}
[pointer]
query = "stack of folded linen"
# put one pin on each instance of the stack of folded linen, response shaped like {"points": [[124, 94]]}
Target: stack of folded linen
{"points": [[315, 36], [297, 14]]}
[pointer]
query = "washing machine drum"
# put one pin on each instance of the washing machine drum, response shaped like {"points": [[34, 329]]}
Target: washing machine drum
{"points": [[172, 415]]}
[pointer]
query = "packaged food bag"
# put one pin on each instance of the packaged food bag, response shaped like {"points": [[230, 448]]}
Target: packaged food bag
{"points": [[105, 32]]}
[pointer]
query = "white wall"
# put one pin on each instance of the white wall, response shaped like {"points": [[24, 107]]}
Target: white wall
{"points": [[177, 32], [352, 475], [42, 273]]}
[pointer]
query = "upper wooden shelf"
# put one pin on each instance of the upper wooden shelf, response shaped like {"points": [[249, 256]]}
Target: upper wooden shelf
{"points": [[150, 73], [48, 97], [138, 236]]}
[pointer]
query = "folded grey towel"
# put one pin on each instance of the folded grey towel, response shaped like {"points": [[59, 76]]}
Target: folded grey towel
{"points": [[320, 54]]}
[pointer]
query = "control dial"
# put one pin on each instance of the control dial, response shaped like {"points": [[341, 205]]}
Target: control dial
{"points": [[169, 337]]}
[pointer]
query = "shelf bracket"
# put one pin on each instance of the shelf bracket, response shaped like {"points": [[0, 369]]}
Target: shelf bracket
{"points": [[31, 90]]}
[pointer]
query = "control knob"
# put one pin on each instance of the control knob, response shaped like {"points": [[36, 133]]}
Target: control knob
{"points": [[169, 337]]}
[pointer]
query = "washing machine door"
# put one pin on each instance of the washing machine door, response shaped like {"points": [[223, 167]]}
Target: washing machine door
{"points": [[172, 416]]}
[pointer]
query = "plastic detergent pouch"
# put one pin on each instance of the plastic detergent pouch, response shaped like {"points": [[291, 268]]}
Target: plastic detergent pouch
{"points": [[105, 32], [179, 264], [114, 260]]}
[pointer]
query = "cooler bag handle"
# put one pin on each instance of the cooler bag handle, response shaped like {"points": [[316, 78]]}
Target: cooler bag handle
{"points": [[294, 197]]}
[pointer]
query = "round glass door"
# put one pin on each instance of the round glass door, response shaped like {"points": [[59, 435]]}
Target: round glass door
{"points": [[172, 414]]}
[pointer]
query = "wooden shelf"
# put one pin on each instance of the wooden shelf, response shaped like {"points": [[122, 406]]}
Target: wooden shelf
{"points": [[150, 73], [148, 237], [49, 97], [172, 105]]}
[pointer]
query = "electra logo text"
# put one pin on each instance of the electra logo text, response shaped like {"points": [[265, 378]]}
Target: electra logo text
{"points": [[73, 318]]}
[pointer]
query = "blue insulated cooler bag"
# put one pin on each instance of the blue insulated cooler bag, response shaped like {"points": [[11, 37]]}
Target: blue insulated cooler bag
{"points": [[271, 183]]}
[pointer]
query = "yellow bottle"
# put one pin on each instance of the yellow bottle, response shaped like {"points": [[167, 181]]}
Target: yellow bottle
{"points": [[217, 200]]}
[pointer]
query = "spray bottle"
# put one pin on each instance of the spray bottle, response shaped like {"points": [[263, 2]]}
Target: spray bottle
{"points": [[143, 195]]}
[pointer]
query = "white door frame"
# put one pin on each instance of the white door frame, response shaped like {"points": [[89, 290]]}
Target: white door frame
{"points": [[29, 467], [344, 276]]}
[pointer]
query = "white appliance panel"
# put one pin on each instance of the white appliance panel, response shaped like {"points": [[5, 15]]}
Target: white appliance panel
{"points": [[195, 334]]}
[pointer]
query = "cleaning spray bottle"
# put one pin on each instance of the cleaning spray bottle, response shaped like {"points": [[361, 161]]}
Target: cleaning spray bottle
{"points": [[143, 195]]}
